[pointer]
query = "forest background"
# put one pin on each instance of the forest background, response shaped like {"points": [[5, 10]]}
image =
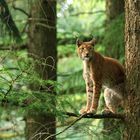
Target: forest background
{"points": [[25, 62]]}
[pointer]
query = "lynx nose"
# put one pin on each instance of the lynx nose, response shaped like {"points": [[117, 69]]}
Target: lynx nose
{"points": [[87, 54]]}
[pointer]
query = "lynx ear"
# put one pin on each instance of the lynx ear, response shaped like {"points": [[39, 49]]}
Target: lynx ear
{"points": [[79, 42], [93, 41]]}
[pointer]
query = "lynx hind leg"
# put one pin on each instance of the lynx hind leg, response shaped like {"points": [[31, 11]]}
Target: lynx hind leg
{"points": [[111, 101]]}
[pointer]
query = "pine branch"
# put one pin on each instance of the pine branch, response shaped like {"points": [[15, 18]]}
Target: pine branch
{"points": [[11, 84]]}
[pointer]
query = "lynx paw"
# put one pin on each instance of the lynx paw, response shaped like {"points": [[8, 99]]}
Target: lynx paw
{"points": [[92, 110], [83, 111], [106, 111]]}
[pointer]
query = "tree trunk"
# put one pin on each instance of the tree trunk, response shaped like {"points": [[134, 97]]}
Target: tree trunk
{"points": [[132, 40], [42, 46], [114, 8]]}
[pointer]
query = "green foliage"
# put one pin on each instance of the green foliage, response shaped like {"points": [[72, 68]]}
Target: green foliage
{"points": [[66, 50], [75, 20]]}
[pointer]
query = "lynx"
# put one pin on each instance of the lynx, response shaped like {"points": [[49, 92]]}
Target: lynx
{"points": [[101, 72]]}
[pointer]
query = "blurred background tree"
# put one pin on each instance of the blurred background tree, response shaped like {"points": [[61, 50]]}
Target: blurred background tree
{"points": [[114, 32], [113, 40], [42, 47]]}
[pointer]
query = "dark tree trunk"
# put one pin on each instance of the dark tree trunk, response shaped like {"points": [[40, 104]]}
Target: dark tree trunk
{"points": [[132, 40], [7, 19], [42, 46], [114, 8]]}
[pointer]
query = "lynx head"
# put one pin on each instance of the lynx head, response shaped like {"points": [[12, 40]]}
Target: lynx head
{"points": [[85, 49]]}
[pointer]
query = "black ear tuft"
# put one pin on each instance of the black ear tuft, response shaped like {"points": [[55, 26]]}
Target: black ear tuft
{"points": [[93, 41], [79, 42]]}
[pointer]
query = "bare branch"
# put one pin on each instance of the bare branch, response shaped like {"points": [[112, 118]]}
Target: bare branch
{"points": [[21, 10], [88, 13], [22, 47], [45, 25]]}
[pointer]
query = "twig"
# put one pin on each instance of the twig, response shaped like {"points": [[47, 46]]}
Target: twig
{"points": [[11, 85]]}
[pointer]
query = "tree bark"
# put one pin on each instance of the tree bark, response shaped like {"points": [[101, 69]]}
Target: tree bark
{"points": [[42, 46], [132, 47]]}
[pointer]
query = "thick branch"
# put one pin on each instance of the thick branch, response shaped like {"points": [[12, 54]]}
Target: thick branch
{"points": [[97, 116]]}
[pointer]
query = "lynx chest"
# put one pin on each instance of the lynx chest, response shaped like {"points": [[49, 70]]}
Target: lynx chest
{"points": [[86, 70]]}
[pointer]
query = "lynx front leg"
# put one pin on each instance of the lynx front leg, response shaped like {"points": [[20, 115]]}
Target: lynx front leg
{"points": [[96, 95], [89, 91], [89, 94]]}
